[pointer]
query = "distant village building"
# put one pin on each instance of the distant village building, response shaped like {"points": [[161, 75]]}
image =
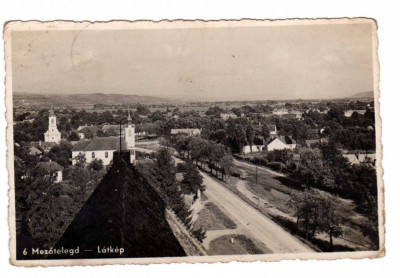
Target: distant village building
{"points": [[34, 151], [348, 113], [272, 130], [53, 169], [88, 130], [187, 131], [281, 143], [52, 135], [252, 149], [312, 142], [360, 158], [104, 147], [226, 116], [280, 112]]}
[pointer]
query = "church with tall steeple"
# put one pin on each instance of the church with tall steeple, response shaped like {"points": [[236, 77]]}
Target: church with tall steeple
{"points": [[103, 148], [52, 135]]}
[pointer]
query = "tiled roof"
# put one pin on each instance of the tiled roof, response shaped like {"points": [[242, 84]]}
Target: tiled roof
{"points": [[103, 143], [272, 128], [81, 146], [99, 144], [284, 139]]}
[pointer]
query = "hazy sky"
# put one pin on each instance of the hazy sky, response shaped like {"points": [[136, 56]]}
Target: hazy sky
{"points": [[277, 62]]}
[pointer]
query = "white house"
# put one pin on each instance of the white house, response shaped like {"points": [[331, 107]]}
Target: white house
{"points": [[52, 135], [281, 143], [348, 113], [187, 131], [280, 112], [104, 147], [226, 116], [252, 149], [53, 169]]}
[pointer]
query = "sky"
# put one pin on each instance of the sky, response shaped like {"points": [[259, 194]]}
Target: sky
{"points": [[240, 63]]}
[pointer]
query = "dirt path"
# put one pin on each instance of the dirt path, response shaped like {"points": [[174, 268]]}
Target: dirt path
{"points": [[260, 168], [242, 188]]}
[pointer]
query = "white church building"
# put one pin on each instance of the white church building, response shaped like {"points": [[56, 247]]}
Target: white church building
{"points": [[52, 135], [104, 147]]}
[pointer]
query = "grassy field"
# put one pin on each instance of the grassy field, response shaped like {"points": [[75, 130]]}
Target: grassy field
{"points": [[240, 244], [212, 218], [276, 191]]}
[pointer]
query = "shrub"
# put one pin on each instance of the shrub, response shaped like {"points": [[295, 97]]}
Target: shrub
{"points": [[277, 166]]}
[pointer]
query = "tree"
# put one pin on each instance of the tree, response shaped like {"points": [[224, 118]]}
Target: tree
{"points": [[192, 180], [250, 135], [88, 133], [226, 163], [142, 110], [266, 133], [61, 153], [311, 166], [214, 111], [96, 165], [308, 211], [331, 221], [76, 121], [74, 136]]}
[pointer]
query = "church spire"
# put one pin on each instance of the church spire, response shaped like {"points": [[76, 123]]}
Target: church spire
{"points": [[51, 112], [129, 116]]}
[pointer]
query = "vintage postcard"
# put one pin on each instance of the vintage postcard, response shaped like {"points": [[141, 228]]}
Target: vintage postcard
{"points": [[193, 141]]}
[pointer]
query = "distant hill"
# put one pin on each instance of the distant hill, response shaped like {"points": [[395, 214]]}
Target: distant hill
{"points": [[88, 99], [369, 94]]}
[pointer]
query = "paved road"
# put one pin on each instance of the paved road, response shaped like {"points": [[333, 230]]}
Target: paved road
{"points": [[258, 225]]}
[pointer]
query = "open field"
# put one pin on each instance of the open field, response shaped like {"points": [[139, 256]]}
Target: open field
{"points": [[274, 192], [233, 244], [212, 218]]}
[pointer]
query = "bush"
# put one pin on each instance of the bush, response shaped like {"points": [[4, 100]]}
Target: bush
{"points": [[277, 166], [180, 167], [261, 161], [235, 172], [200, 234]]}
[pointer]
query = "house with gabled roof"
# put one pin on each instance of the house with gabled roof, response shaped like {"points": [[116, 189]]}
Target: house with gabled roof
{"points": [[281, 143], [103, 148]]}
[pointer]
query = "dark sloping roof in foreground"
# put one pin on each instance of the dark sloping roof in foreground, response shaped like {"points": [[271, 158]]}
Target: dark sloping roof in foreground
{"points": [[123, 211]]}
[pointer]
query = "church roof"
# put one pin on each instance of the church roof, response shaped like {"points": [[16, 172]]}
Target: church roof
{"points": [[99, 144]]}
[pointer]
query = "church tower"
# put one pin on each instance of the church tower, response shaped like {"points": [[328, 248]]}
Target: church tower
{"points": [[52, 134], [130, 137]]}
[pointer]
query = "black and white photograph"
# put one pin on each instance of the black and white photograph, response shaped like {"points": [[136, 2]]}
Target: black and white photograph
{"points": [[193, 141]]}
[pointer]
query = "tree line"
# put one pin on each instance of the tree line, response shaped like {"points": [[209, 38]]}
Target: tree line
{"points": [[161, 173], [204, 153]]}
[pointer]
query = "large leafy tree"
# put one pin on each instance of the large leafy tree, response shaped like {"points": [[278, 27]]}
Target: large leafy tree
{"points": [[192, 180], [61, 153]]}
